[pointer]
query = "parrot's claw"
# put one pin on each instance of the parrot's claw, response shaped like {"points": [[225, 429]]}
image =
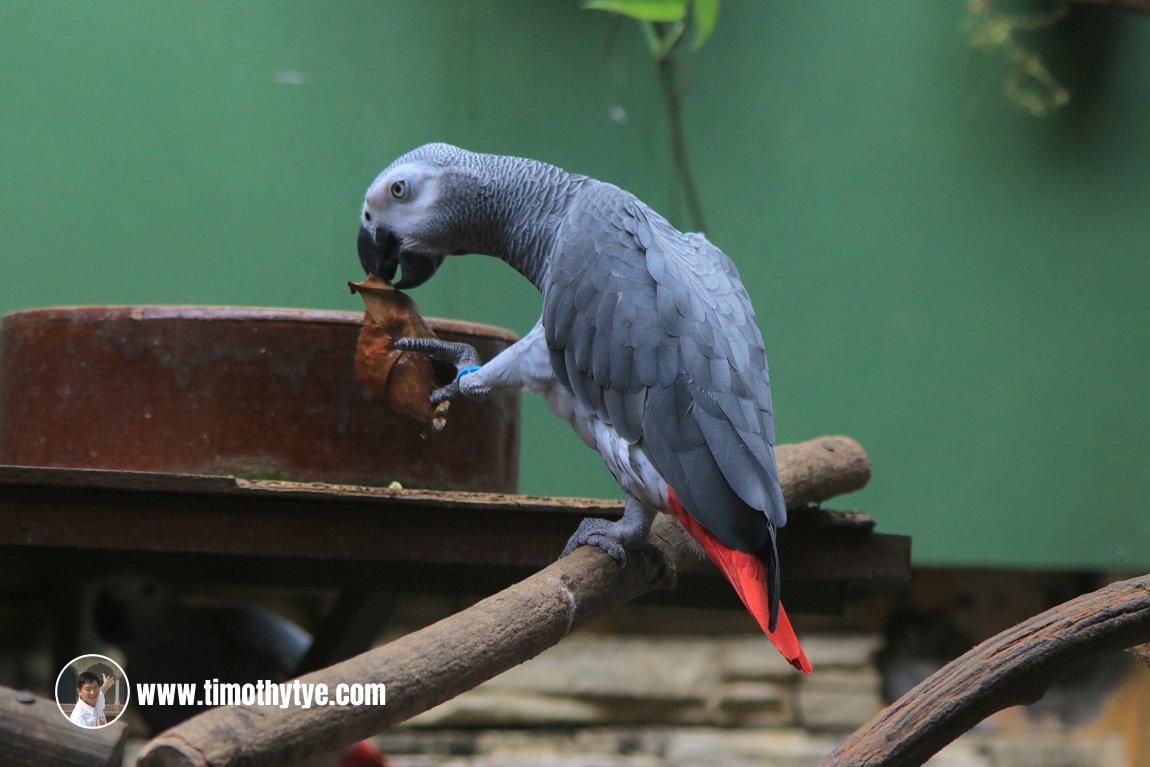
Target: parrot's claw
{"points": [[464, 357], [468, 384], [602, 535], [460, 355], [628, 532], [444, 393]]}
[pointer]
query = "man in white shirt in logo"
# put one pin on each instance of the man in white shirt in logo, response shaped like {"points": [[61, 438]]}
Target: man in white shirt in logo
{"points": [[89, 710]]}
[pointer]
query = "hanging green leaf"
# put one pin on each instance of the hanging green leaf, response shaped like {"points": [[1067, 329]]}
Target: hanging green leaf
{"points": [[644, 10], [706, 14]]}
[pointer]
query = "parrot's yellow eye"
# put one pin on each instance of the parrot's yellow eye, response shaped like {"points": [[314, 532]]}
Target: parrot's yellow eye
{"points": [[399, 190]]}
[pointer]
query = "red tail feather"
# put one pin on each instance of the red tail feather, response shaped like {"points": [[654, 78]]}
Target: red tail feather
{"points": [[747, 573]]}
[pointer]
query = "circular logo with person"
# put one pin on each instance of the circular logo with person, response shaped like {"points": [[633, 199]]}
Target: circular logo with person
{"points": [[92, 691]]}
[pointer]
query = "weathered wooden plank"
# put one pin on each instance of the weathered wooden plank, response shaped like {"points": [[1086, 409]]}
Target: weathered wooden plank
{"points": [[35, 733]]}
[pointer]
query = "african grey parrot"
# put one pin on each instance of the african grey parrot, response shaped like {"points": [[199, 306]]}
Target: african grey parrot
{"points": [[647, 345]]}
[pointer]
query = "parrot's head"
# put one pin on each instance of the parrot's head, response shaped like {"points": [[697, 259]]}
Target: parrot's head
{"points": [[415, 212]]}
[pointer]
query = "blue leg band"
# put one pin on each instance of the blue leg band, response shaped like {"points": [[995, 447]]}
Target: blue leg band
{"points": [[464, 371]]}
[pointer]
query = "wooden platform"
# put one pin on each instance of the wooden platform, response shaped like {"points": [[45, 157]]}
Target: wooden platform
{"points": [[364, 541], [339, 534]]}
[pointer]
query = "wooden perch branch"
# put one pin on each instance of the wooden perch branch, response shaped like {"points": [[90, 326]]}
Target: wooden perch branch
{"points": [[433, 665], [1012, 668]]}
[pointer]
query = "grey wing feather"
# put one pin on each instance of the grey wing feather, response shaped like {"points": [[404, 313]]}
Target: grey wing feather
{"points": [[655, 333]]}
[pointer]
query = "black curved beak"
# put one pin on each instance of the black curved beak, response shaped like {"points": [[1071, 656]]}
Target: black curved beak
{"points": [[380, 254], [418, 268]]}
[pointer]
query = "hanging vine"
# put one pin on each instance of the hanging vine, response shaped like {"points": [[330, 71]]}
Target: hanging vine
{"points": [[664, 24]]}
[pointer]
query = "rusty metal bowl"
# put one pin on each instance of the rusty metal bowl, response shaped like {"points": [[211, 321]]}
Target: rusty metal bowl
{"points": [[265, 393]]}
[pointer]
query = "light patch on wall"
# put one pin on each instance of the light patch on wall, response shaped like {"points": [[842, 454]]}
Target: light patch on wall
{"points": [[289, 77]]}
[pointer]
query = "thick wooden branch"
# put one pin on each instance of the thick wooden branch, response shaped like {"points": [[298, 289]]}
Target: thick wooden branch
{"points": [[1012, 668], [428, 667], [34, 733]]}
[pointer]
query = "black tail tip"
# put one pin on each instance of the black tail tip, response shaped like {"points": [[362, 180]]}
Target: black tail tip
{"points": [[774, 584]]}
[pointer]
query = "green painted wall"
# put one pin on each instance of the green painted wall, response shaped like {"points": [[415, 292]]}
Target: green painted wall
{"points": [[962, 288]]}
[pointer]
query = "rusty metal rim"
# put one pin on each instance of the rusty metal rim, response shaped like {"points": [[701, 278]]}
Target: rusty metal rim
{"points": [[211, 313]]}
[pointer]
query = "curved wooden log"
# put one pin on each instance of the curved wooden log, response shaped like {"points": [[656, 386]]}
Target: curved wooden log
{"points": [[433, 665], [1012, 668]]}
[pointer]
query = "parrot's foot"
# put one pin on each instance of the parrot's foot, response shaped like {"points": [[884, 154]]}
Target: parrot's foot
{"points": [[460, 355], [614, 537], [466, 382], [464, 357], [444, 393], [601, 534], [471, 385]]}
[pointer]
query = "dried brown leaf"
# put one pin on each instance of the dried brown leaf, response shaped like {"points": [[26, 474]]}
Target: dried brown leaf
{"points": [[402, 379]]}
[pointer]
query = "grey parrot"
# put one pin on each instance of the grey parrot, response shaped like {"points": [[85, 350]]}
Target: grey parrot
{"points": [[647, 345]]}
